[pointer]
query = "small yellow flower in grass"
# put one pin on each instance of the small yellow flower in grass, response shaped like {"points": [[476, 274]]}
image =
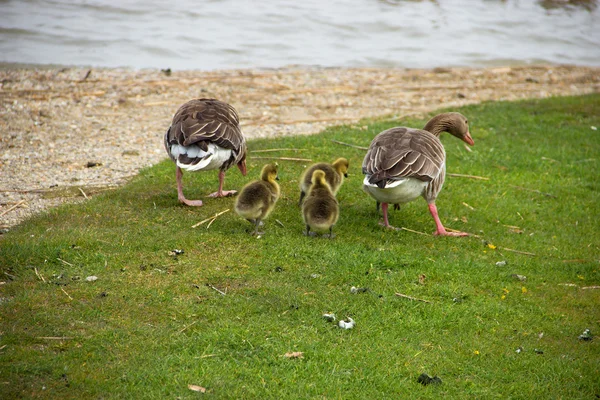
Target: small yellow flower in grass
{"points": [[476, 352], [523, 290], [503, 297], [491, 246], [581, 277]]}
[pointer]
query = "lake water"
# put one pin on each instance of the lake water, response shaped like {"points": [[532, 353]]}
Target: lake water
{"points": [[224, 34]]}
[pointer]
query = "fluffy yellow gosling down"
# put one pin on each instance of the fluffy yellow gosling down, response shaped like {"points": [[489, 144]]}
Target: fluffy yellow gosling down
{"points": [[257, 198], [320, 208], [334, 175]]}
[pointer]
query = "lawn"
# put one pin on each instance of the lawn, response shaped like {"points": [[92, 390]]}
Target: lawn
{"points": [[494, 315]]}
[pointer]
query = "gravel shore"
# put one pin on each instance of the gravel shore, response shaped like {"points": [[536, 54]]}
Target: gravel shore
{"points": [[68, 133]]}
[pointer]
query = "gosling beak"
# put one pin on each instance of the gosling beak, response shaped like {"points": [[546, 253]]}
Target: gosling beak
{"points": [[468, 139]]}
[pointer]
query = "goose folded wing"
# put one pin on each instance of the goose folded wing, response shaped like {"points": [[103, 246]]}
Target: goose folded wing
{"points": [[205, 121], [413, 155]]}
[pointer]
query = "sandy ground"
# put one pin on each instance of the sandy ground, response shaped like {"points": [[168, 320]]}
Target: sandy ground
{"points": [[69, 133]]}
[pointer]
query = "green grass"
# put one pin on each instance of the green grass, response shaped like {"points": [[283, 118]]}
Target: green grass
{"points": [[150, 325]]}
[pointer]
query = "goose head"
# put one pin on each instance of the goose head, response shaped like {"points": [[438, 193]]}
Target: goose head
{"points": [[454, 123]]}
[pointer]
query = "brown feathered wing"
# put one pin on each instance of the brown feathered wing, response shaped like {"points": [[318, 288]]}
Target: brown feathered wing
{"points": [[203, 121], [404, 153]]}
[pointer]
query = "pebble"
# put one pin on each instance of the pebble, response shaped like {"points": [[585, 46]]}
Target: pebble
{"points": [[329, 317], [586, 335], [347, 323]]}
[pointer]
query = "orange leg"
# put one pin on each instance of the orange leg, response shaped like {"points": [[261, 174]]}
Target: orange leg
{"points": [[440, 230], [386, 222], [180, 196], [221, 192]]}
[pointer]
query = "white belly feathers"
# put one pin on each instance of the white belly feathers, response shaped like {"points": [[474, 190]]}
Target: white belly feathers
{"points": [[213, 159], [399, 192]]}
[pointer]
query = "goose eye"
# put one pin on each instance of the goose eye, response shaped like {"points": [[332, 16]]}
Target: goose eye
{"points": [[467, 121]]}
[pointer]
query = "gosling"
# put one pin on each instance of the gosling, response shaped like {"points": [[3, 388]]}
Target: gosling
{"points": [[320, 209], [334, 174], [257, 198]]}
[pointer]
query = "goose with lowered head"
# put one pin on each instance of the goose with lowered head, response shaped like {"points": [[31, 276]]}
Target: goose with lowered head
{"points": [[402, 164], [205, 135]]}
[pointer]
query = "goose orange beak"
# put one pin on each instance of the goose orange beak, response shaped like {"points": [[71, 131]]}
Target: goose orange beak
{"points": [[468, 139], [242, 167]]}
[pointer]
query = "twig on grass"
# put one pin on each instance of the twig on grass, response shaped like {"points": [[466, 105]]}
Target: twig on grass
{"points": [[590, 287], [211, 219], [410, 230], [512, 226], [468, 206], [210, 223], [280, 223], [282, 158], [65, 262], [350, 145], [65, 292], [55, 337], [483, 178], [12, 277], [12, 208], [534, 190], [517, 251], [40, 277], [412, 298], [185, 327], [83, 193], [214, 288]]}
